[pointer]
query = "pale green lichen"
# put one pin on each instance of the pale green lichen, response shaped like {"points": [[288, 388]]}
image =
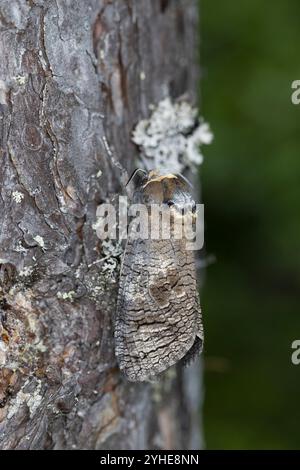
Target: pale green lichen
{"points": [[19, 248], [171, 138], [20, 79], [32, 400], [3, 92], [67, 295], [17, 197], [112, 248], [26, 271], [40, 241], [3, 353], [40, 346]]}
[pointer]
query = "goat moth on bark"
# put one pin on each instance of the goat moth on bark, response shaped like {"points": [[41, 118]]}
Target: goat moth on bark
{"points": [[158, 320]]}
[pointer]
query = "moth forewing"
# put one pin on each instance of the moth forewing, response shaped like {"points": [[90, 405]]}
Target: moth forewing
{"points": [[158, 316]]}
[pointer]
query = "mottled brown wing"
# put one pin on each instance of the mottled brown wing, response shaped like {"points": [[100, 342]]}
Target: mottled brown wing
{"points": [[158, 313]]}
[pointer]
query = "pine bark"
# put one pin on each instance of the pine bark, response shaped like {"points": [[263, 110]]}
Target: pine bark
{"points": [[73, 75]]}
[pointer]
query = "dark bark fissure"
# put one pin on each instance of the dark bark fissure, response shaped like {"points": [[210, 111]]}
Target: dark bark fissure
{"points": [[73, 76]]}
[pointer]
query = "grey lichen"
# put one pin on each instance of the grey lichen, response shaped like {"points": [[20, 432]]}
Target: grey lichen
{"points": [[67, 295], [17, 197], [171, 138], [40, 241], [3, 353], [19, 248], [20, 80], [31, 399], [111, 250], [26, 271], [104, 271]]}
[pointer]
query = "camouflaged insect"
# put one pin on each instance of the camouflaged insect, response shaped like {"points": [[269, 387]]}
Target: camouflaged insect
{"points": [[158, 320]]}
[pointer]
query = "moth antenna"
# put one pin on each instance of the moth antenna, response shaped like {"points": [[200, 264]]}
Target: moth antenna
{"points": [[134, 173], [183, 178], [114, 160]]}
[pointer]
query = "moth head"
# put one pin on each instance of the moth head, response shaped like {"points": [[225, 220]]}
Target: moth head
{"points": [[172, 191]]}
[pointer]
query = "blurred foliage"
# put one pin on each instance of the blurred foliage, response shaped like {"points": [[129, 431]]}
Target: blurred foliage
{"points": [[251, 190]]}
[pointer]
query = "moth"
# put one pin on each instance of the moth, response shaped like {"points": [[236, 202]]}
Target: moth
{"points": [[158, 319]]}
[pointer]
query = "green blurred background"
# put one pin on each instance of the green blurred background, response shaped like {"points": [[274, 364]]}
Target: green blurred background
{"points": [[250, 55]]}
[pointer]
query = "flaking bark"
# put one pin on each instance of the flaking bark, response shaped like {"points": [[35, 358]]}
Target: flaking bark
{"points": [[73, 75]]}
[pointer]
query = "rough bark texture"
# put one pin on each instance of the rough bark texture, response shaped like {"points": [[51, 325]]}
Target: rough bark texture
{"points": [[72, 73]]}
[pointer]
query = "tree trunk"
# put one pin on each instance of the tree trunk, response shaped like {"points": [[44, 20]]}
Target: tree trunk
{"points": [[73, 75]]}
